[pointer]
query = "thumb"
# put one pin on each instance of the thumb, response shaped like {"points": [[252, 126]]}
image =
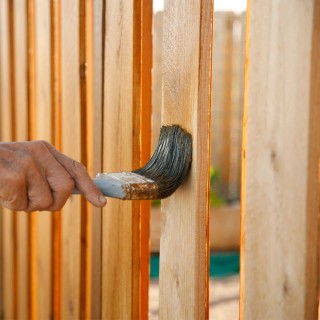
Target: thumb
{"points": [[81, 177]]}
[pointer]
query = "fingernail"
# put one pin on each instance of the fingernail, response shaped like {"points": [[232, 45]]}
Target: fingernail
{"points": [[102, 200]]}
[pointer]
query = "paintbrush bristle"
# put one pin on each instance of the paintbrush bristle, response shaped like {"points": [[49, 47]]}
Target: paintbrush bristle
{"points": [[171, 160]]}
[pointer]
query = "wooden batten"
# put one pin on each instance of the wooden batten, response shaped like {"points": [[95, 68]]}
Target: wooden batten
{"points": [[71, 145]]}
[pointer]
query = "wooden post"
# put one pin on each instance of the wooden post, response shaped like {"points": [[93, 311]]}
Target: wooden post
{"points": [[184, 244], [281, 149]]}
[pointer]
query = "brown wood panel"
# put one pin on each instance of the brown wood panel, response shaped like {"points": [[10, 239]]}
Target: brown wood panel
{"points": [[184, 244], [280, 199], [71, 145]]}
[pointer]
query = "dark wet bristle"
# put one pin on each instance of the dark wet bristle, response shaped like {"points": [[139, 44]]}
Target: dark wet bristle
{"points": [[171, 160]]}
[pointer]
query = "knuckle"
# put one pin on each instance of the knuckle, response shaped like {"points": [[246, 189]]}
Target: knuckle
{"points": [[41, 203], [26, 161], [78, 167]]}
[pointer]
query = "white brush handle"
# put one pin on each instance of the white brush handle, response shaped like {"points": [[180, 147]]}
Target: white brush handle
{"points": [[108, 185]]}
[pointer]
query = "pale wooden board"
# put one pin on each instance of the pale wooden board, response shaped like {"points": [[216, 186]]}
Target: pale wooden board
{"points": [[96, 154], [184, 243], [43, 129], [279, 269], [71, 145], [224, 229], [117, 247], [20, 133], [6, 135]]}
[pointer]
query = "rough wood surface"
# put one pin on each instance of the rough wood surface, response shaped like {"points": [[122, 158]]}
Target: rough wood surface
{"points": [[187, 39], [280, 200]]}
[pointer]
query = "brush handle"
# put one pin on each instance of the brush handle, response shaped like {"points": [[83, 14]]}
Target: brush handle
{"points": [[109, 186]]}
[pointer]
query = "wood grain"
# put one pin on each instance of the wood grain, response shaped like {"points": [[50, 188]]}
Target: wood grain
{"points": [[117, 224], [71, 145], [18, 48], [96, 154], [280, 200], [184, 244], [6, 135], [44, 132], [87, 123], [56, 138], [31, 107]]}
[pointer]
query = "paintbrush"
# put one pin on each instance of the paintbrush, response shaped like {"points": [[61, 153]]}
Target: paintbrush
{"points": [[160, 177]]}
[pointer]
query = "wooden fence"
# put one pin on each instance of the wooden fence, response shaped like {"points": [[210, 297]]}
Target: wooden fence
{"points": [[78, 74]]}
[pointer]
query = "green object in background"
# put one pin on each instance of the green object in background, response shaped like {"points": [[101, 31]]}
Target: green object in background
{"points": [[222, 264]]}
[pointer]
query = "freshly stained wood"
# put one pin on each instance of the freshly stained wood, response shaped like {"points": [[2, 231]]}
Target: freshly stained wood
{"points": [[184, 244], [31, 109], [87, 144], [280, 199], [71, 145]]}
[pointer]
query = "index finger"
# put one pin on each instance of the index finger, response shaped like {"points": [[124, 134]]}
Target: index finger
{"points": [[81, 177]]}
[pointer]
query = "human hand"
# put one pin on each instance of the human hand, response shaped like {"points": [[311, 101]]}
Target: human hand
{"points": [[36, 176]]}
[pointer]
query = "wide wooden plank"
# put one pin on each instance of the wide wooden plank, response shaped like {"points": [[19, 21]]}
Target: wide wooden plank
{"points": [[71, 145], [184, 244], [43, 128], [280, 158]]}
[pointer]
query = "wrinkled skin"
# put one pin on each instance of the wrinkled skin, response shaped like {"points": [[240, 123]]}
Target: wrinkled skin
{"points": [[36, 176]]}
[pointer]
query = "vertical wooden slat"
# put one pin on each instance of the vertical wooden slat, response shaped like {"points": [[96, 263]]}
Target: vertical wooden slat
{"points": [[145, 65], [11, 80], [71, 145], [6, 135], [118, 216], [96, 154], [142, 64], [280, 200], [44, 132], [17, 15], [184, 240], [227, 106], [87, 123], [31, 105], [56, 138]]}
